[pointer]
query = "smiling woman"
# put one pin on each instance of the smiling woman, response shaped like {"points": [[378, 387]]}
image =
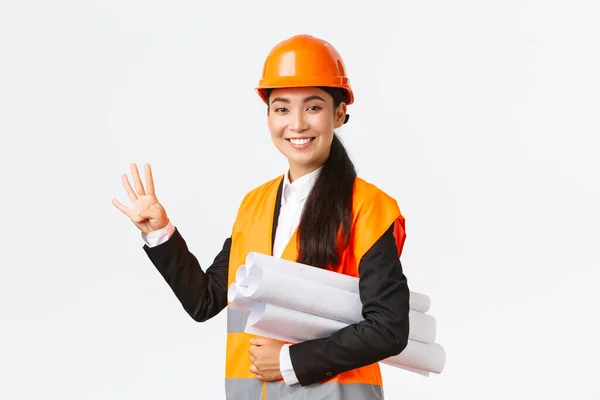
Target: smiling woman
{"points": [[318, 213]]}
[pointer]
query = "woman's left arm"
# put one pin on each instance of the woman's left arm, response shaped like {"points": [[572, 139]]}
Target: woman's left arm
{"points": [[385, 296]]}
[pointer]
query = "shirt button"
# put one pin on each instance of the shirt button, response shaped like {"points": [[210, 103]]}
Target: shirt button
{"points": [[328, 374]]}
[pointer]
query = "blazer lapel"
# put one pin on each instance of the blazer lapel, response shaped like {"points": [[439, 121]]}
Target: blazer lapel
{"points": [[276, 213]]}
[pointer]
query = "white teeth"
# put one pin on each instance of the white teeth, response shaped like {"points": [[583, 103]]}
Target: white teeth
{"points": [[299, 141]]}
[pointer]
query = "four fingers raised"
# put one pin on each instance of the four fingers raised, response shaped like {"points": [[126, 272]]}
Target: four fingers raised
{"points": [[133, 196]]}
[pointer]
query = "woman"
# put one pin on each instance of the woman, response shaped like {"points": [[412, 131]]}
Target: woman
{"points": [[318, 213]]}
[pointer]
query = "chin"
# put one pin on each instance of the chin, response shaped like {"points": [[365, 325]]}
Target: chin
{"points": [[303, 160]]}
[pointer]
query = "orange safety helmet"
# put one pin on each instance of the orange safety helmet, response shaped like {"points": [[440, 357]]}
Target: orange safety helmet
{"points": [[304, 60]]}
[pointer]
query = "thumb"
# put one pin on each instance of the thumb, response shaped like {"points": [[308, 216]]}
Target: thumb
{"points": [[260, 341]]}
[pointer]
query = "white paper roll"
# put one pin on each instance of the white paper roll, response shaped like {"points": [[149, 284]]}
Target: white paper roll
{"points": [[309, 297], [422, 327], [241, 274], [296, 326], [422, 356], [319, 275], [418, 301], [290, 325], [237, 300], [303, 295]]}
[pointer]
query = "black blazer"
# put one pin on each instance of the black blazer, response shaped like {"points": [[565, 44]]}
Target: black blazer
{"points": [[383, 288]]}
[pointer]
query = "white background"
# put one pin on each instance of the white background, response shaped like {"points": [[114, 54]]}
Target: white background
{"points": [[481, 118]]}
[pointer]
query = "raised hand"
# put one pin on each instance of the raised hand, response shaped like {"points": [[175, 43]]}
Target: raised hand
{"points": [[145, 212]]}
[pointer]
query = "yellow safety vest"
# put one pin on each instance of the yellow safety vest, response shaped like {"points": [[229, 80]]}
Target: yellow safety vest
{"points": [[373, 213]]}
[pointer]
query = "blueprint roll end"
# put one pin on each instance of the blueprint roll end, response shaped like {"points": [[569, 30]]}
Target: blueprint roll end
{"points": [[241, 274], [256, 312]]}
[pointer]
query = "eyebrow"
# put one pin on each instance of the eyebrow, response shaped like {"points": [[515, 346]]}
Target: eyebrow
{"points": [[306, 100]]}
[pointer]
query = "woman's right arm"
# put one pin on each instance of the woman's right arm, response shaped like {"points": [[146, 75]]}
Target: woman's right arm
{"points": [[202, 294]]}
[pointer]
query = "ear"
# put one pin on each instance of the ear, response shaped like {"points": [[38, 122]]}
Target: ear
{"points": [[340, 115]]}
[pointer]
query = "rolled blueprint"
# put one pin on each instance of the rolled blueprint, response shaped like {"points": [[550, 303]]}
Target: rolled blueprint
{"points": [[418, 302], [237, 300], [296, 326], [286, 267], [265, 284], [290, 325], [317, 299], [240, 274]]}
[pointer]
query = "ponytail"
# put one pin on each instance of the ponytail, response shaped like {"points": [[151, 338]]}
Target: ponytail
{"points": [[324, 230]]}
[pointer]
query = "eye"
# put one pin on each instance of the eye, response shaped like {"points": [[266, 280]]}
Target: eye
{"points": [[314, 108], [280, 109]]}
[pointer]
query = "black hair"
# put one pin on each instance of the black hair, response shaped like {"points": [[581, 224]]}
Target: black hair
{"points": [[324, 229]]}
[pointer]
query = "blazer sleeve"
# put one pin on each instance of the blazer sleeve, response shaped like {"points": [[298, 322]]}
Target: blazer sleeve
{"points": [[384, 331], [202, 294]]}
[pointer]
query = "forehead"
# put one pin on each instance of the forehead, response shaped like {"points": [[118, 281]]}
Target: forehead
{"points": [[298, 93]]}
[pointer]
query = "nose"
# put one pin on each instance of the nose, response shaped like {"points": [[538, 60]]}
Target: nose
{"points": [[299, 122]]}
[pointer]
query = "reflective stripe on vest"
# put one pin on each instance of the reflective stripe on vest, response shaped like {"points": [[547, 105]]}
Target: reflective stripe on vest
{"points": [[373, 213], [236, 320], [252, 389], [246, 389], [328, 390]]}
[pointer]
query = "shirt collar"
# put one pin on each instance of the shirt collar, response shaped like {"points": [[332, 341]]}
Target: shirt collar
{"points": [[301, 187]]}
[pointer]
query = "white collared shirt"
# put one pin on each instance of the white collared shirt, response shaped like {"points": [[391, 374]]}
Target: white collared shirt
{"points": [[293, 199]]}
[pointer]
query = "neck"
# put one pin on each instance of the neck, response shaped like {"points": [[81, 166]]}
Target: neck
{"points": [[298, 171]]}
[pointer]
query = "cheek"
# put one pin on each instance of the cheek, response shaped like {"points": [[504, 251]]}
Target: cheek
{"points": [[323, 124], [276, 127]]}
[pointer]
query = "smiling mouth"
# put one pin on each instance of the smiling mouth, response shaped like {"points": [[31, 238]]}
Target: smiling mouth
{"points": [[300, 142]]}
